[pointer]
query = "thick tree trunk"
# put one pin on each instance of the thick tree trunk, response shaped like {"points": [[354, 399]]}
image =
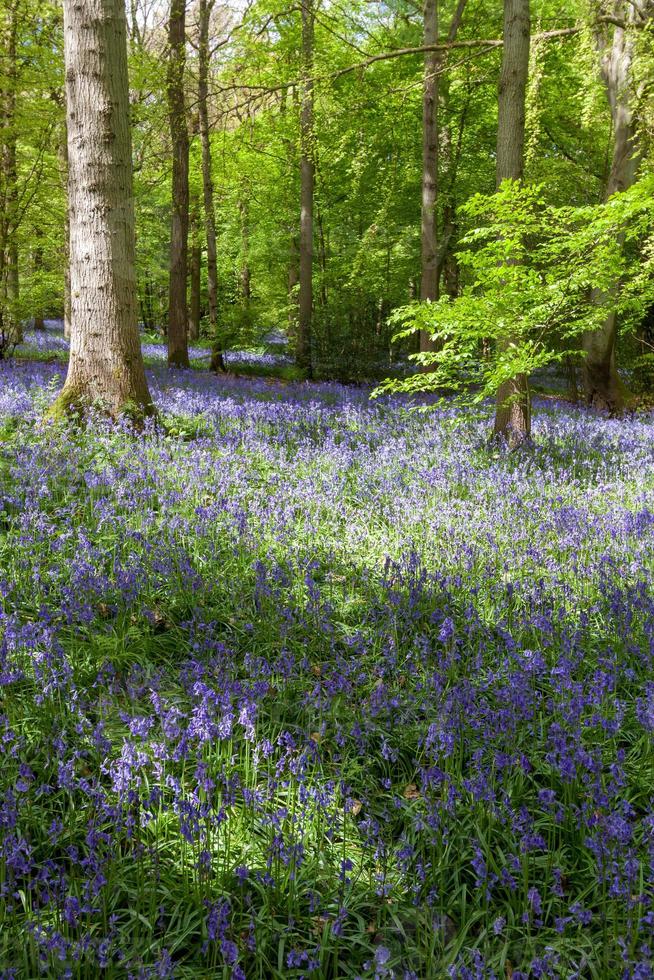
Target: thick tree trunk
{"points": [[177, 305], [513, 408], [105, 366], [204, 56], [602, 387], [196, 275], [63, 160], [307, 170]]}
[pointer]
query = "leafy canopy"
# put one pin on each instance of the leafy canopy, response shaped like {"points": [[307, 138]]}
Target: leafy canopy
{"points": [[537, 276]]}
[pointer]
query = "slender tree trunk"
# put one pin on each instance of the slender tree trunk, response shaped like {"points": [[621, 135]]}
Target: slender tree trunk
{"points": [[105, 366], [307, 169], [293, 282], [322, 251], [204, 55], [428, 231], [245, 275], [513, 408], [177, 305], [196, 274], [602, 386], [430, 265], [147, 305], [39, 322], [10, 282]]}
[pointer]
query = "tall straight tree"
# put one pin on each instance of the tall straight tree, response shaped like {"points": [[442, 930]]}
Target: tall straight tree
{"points": [[9, 283], [602, 387], [431, 261], [105, 366], [307, 178], [177, 303], [204, 61], [513, 408], [195, 272]]}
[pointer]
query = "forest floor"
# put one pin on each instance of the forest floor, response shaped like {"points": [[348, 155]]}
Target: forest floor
{"points": [[309, 685]]}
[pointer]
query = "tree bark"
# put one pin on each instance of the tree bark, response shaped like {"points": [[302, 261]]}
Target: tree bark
{"points": [[428, 233], [177, 305], [513, 406], [307, 172], [602, 386], [9, 282], [67, 295], [39, 322], [245, 275], [195, 274], [430, 265], [204, 56], [105, 366]]}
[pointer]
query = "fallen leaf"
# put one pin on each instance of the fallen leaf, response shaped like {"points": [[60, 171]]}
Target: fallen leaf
{"points": [[318, 923]]}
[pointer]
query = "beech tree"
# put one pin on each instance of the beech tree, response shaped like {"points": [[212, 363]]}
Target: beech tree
{"points": [[307, 176], [513, 410], [431, 255], [204, 60], [616, 38], [177, 302], [9, 282], [105, 366]]}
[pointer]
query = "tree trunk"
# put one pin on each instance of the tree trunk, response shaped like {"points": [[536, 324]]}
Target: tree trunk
{"points": [[67, 293], [428, 233], [39, 322], [430, 266], [147, 305], [602, 386], [177, 305], [105, 366], [513, 407], [305, 299], [196, 275], [245, 275], [204, 55], [11, 328]]}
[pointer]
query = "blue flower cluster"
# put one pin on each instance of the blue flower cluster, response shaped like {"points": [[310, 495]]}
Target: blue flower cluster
{"points": [[304, 685]]}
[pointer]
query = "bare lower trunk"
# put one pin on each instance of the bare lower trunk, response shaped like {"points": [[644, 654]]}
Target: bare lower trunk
{"points": [[305, 299], [571, 373], [204, 55], [513, 411], [195, 275], [293, 281], [105, 366], [177, 306], [602, 387], [513, 403], [39, 322]]}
